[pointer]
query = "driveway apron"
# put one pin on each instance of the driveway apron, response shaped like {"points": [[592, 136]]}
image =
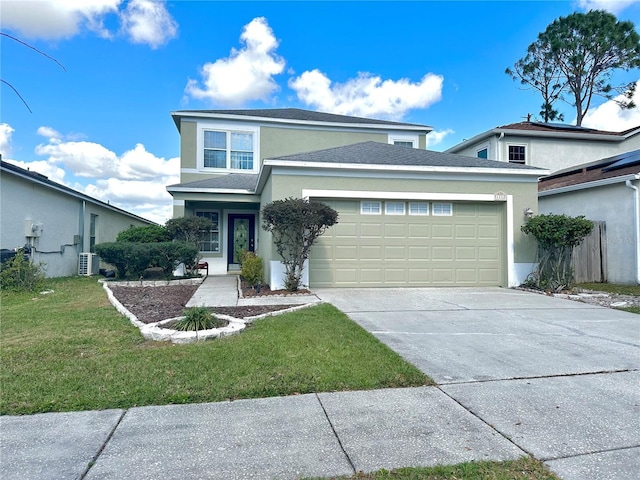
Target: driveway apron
{"points": [[559, 378]]}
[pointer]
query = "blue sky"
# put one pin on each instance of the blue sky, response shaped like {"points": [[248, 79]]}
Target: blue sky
{"points": [[103, 126]]}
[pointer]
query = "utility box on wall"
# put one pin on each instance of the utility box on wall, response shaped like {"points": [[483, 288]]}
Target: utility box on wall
{"points": [[32, 229]]}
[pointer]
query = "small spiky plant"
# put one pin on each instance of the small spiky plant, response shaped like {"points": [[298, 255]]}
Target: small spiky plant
{"points": [[197, 318]]}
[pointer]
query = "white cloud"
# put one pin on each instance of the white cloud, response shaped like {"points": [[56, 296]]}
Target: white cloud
{"points": [[134, 181], [143, 21], [613, 6], [247, 74], [55, 19], [609, 116], [367, 95], [435, 137], [5, 139], [148, 21]]}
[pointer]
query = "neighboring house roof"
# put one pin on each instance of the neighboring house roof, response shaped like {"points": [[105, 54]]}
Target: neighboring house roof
{"points": [[362, 156], [44, 181], [549, 130], [295, 115], [608, 170]]}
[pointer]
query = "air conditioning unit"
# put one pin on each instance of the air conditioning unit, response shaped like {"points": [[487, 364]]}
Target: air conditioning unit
{"points": [[89, 264]]}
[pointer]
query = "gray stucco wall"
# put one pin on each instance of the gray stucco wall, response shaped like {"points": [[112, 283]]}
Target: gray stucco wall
{"points": [[612, 204], [62, 217]]}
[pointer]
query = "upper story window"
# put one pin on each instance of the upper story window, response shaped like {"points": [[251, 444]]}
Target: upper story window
{"points": [[484, 153], [403, 140], [517, 153], [228, 150]]}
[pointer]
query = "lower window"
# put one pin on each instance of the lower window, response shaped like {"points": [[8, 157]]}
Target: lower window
{"points": [[210, 239]]}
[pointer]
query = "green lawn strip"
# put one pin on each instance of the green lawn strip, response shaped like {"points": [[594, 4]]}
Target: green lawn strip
{"points": [[70, 350], [630, 309], [523, 469], [633, 290]]}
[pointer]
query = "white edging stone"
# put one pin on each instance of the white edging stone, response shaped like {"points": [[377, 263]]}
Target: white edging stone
{"points": [[152, 331]]}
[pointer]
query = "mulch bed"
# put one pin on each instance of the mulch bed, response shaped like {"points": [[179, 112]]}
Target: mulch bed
{"points": [[153, 304]]}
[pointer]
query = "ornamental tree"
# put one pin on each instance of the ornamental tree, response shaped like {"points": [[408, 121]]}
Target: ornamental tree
{"points": [[557, 235], [295, 225], [579, 53]]}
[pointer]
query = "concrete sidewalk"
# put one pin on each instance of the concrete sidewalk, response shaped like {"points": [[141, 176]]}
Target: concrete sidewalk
{"points": [[223, 291], [323, 434]]}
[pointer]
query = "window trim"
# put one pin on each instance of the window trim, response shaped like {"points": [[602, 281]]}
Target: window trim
{"points": [[372, 202], [218, 231], [395, 203], [518, 162], [419, 214], [483, 149], [442, 214], [414, 139]]}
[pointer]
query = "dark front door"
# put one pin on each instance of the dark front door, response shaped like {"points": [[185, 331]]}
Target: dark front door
{"points": [[241, 237]]}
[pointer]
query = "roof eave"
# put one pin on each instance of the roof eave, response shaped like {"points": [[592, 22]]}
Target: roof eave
{"points": [[538, 172], [249, 118], [586, 185]]}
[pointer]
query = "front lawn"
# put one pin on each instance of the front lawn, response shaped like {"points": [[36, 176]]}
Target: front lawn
{"points": [[523, 469], [70, 350], [633, 290]]}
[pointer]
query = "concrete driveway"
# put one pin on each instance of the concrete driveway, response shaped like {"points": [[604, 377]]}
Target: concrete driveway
{"points": [[558, 378]]}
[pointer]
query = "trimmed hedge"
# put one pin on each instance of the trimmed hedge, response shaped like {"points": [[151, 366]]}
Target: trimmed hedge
{"points": [[131, 259]]}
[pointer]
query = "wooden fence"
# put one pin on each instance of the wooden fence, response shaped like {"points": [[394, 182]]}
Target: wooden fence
{"points": [[590, 257]]}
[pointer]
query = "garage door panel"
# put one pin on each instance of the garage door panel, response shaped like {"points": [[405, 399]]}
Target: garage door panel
{"points": [[466, 248], [419, 253], [394, 252], [370, 252], [346, 229], [440, 254], [442, 231], [374, 230]]}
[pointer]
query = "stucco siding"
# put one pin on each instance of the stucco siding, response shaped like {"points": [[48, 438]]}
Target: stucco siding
{"points": [[277, 142], [612, 204], [65, 223]]}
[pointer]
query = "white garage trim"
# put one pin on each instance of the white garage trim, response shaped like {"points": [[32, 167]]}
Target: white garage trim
{"points": [[515, 273]]}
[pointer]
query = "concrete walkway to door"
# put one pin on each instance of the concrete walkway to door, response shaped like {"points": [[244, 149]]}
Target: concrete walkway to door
{"points": [[558, 378]]}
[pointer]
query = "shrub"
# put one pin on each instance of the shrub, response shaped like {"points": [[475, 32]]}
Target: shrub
{"points": [[146, 234], [251, 269], [131, 259], [557, 235], [296, 224], [197, 318], [20, 274]]}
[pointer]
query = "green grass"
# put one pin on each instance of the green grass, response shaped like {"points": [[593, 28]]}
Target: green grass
{"points": [[523, 469], [70, 350], [612, 288]]}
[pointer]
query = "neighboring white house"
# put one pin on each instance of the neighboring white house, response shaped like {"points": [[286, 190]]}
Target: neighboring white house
{"points": [[605, 190], [548, 145], [58, 223]]}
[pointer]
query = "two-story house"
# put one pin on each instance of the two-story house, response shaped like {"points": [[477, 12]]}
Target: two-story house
{"points": [[407, 216], [552, 146]]}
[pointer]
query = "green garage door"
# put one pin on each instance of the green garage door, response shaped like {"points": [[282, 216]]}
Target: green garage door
{"points": [[396, 243]]}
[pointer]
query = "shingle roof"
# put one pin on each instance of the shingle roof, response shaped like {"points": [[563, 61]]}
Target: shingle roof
{"points": [[375, 153], [616, 166], [300, 114], [559, 127], [232, 181]]}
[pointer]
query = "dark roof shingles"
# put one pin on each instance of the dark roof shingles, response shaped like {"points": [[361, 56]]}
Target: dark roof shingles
{"points": [[375, 153], [304, 115], [232, 181]]}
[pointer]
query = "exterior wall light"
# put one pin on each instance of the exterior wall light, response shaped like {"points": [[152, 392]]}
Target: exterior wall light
{"points": [[528, 212]]}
